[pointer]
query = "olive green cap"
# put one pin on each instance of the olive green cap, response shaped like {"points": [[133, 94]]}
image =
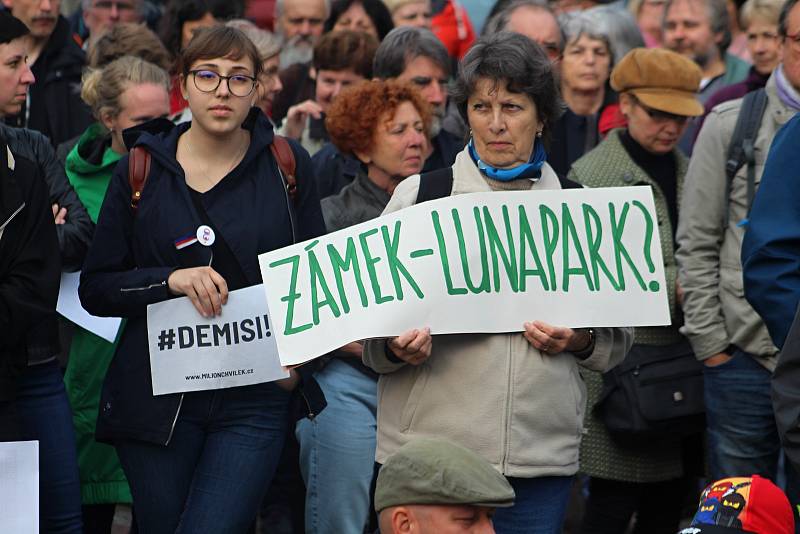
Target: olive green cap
{"points": [[437, 471]]}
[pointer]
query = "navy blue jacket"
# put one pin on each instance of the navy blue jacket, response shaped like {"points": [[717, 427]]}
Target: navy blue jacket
{"points": [[132, 256], [771, 247]]}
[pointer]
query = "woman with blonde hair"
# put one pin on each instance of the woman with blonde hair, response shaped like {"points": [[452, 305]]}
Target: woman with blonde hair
{"points": [[124, 93]]}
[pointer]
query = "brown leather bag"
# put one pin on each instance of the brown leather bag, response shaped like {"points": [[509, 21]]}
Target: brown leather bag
{"points": [[139, 168]]}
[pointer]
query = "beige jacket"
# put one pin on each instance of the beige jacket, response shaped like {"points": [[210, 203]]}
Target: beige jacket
{"points": [[493, 393], [709, 250]]}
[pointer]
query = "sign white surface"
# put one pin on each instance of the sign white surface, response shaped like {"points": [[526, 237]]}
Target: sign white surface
{"points": [[482, 262], [19, 487], [69, 305], [191, 353]]}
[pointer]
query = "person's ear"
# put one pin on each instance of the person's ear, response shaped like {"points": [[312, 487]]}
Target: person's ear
{"points": [[182, 83], [107, 119], [363, 157], [625, 105], [402, 520], [9, 4]]}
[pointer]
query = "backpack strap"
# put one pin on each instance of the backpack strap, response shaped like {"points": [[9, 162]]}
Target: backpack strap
{"points": [[741, 149], [138, 169], [435, 184], [566, 183], [287, 165]]}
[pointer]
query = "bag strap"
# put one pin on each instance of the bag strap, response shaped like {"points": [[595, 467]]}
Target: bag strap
{"points": [[138, 169], [435, 184], [287, 165], [741, 149]]}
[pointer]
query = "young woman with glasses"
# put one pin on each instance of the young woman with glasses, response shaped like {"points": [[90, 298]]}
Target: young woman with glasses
{"points": [[200, 461]]}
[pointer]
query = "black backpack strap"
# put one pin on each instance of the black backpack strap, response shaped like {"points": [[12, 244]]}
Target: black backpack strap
{"points": [[566, 183], [741, 149], [435, 184]]}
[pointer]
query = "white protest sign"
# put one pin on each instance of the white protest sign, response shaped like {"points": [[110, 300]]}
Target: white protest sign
{"points": [[191, 353], [69, 306], [482, 262], [19, 487]]}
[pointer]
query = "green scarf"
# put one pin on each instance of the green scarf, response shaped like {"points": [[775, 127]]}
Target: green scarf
{"points": [[89, 179]]}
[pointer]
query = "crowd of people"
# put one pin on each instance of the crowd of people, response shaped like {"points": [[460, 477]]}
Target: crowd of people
{"points": [[127, 124]]}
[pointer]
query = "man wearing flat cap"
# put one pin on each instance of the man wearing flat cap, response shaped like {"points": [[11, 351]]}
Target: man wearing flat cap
{"points": [[657, 95], [435, 486]]}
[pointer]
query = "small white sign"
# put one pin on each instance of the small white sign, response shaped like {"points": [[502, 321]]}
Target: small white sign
{"points": [[191, 353], [69, 306], [19, 487]]}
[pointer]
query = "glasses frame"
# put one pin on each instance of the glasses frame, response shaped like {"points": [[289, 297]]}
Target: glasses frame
{"points": [[658, 116], [794, 38], [227, 79]]}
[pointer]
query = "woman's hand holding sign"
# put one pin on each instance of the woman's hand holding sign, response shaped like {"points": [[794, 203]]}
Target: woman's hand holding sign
{"points": [[204, 286], [556, 339], [413, 347]]}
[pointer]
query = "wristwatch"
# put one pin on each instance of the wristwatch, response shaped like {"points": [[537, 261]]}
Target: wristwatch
{"points": [[589, 349]]}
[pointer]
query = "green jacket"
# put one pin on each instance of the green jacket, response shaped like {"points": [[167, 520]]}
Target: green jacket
{"points": [[89, 167], [609, 165]]}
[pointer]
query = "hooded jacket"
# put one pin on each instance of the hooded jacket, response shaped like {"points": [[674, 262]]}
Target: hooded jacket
{"points": [[89, 166], [132, 256]]}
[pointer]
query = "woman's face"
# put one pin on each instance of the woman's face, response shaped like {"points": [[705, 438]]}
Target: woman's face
{"points": [[137, 104], [765, 45], [219, 111], [504, 124], [15, 76], [586, 64], [355, 18], [269, 83], [398, 143], [416, 14], [191, 26], [655, 131]]}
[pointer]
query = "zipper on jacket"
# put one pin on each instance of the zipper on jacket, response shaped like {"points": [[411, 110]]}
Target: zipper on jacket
{"points": [[14, 214], [144, 288], [507, 433], [174, 421]]}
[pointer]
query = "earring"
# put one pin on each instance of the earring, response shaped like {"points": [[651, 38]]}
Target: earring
{"points": [[539, 133]]}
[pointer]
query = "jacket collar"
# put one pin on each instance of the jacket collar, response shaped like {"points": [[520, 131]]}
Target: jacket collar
{"points": [[468, 179], [780, 112], [160, 138], [11, 201]]}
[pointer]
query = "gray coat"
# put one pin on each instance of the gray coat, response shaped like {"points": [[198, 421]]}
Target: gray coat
{"points": [[710, 238]]}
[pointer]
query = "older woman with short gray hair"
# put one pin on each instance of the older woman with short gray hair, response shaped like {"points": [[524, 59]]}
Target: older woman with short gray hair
{"points": [[585, 67], [515, 398]]}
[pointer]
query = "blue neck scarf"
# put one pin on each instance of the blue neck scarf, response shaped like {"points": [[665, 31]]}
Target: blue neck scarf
{"points": [[531, 170]]}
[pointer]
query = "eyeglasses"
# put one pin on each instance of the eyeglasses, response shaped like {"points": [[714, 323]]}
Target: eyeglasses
{"points": [[795, 39], [659, 116], [208, 81]]}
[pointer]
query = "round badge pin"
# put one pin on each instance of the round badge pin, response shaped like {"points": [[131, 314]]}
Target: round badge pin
{"points": [[205, 235]]}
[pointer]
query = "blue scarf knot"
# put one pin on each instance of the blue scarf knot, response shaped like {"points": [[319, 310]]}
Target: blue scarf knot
{"points": [[531, 170]]}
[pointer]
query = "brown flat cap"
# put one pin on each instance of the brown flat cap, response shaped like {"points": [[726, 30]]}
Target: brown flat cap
{"points": [[660, 79]]}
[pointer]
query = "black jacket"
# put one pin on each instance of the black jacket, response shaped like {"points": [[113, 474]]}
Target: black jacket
{"points": [[75, 235], [334, 170], [54, 105], [131, 257], [29, 265]]}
